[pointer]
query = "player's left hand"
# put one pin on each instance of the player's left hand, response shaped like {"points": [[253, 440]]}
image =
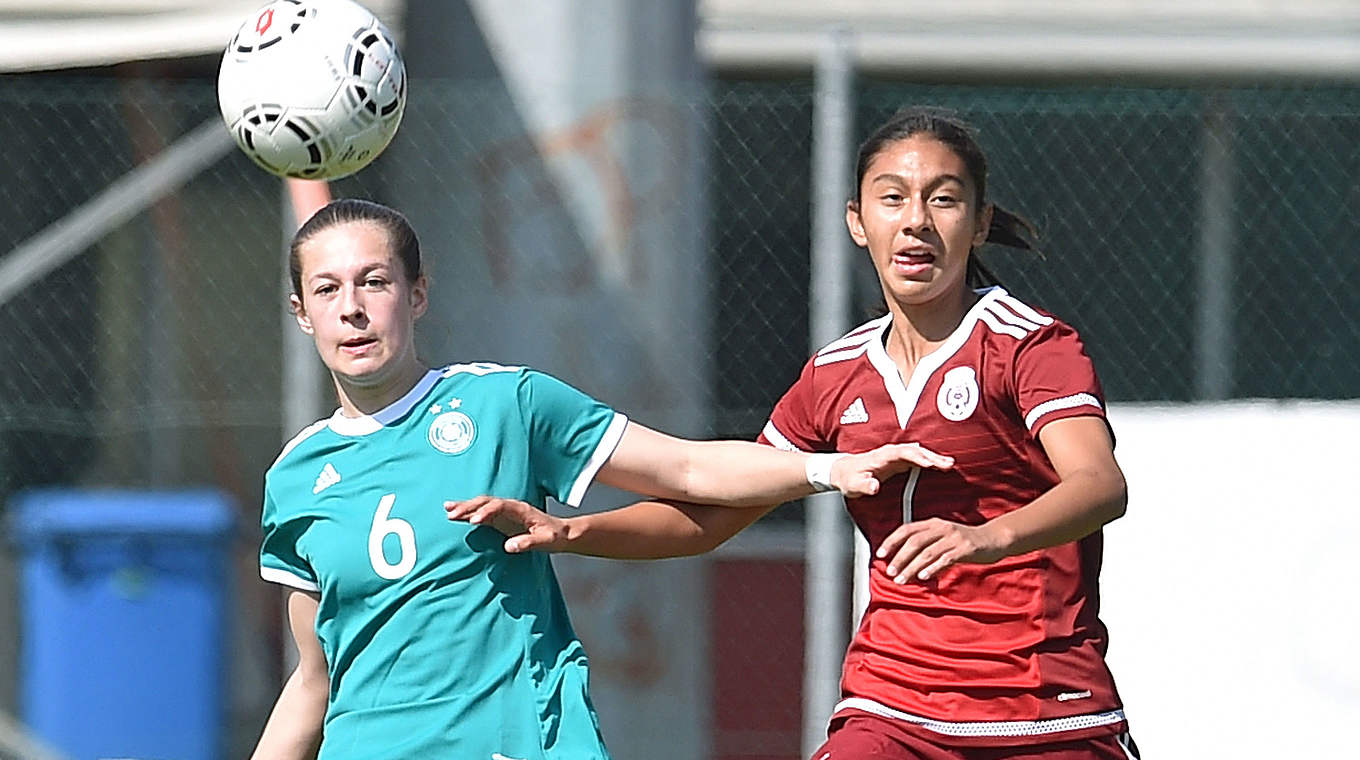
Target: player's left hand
{"points": [[922, 549], [858, 475]]}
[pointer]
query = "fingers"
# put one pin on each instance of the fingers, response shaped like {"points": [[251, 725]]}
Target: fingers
{"points": [[897, 457], [921, 456], [460, 510], [895, 540], [861, 485], [862, 474], [887, 461], [532, 541], [934, 568], [922, 550], [899, 549], [931, 559], [476, 511], [509, 516], [527, 527]]}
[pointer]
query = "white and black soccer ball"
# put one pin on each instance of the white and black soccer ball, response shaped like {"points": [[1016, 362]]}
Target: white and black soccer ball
{"points": [[312, 89]]}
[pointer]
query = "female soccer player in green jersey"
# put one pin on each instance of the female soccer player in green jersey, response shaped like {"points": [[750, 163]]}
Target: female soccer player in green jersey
{"points": [[420, 637]]}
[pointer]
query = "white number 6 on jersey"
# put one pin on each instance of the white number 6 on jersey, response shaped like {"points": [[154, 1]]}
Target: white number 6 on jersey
{"points": [[382, 528]]}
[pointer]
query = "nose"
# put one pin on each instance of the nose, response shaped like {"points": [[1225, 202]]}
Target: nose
{"points": [[916, 216], [351, 304]]}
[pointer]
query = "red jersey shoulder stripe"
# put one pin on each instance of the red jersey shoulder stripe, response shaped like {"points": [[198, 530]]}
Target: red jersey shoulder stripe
{"points": [[998, 325], [852, 344], [1004, 315], [1023, 309], [1066, 402], [1010, 316]]}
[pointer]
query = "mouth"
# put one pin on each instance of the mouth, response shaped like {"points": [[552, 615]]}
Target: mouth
{"points": [[909, 261], [357, 345]]}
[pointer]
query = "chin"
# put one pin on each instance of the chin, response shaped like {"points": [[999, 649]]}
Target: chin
{"points": [[915, 293], [924, 291], [362, 373]]}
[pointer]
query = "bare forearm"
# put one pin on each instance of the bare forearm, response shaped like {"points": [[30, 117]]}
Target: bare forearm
{"points": [[655, 530], [744, 474], [1071, 510], [733, 474], [293, 731]]}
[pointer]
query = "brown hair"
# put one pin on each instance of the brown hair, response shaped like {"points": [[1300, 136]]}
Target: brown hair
{"points": [[400, 235], [1008, 228]]}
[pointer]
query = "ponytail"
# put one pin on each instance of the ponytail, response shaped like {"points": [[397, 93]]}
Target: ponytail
{"points": [[1009, 229], [1013, 231]]}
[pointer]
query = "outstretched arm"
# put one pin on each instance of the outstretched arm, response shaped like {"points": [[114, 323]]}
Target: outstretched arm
{"points": [[1090, 492], [645, 530], [679, 471], [746, 474]]}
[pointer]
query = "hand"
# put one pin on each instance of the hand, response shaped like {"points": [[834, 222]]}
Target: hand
{"points": [[922, 549], [529, 528], [861, 474]]}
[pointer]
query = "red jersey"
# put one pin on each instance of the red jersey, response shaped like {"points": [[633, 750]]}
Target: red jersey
{"points": [[1006, 653]]}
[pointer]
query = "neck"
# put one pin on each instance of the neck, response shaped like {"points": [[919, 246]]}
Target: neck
{"points": [[918, 329], [361, 398]]}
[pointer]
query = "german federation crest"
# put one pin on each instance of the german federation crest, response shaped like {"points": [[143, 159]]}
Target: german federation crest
{"points": [[451, 432], [958, 394]]}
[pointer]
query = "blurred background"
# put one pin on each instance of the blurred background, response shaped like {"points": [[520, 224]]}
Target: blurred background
{"points": [[635, 197]]}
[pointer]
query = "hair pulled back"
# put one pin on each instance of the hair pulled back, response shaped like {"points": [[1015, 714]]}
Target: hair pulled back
{"points": [[1007, 228], [400, 235]]}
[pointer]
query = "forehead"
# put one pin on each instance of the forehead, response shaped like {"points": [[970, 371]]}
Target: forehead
{"points": [[346, 246], [918, 157]]}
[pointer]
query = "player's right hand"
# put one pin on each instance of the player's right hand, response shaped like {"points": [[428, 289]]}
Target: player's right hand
{"points": [[529, 528]]}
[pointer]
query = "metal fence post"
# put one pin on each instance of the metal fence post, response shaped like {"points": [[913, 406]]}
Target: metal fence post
{"points": [[828, 529], [1214, 346], [303, 373]]}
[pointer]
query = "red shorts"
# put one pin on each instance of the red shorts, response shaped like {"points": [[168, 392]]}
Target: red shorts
{"points": [[869, 737]]}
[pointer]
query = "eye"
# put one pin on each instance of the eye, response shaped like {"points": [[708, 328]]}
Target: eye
{"points": [[944, 199], [375, 282], [324, 290], [891, 198]]}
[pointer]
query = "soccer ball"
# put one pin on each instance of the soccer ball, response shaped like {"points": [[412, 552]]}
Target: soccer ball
{"points": [[312, 88]]}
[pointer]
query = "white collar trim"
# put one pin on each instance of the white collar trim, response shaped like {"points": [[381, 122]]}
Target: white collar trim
{"points": [[906, 395], [371, 423]]}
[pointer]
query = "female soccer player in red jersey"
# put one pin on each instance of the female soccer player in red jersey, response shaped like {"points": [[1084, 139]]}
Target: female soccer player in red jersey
{"points": [[981, 638]]}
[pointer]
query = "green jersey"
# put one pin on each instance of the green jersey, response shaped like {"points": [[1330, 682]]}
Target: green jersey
{"points": [[439, 643]]}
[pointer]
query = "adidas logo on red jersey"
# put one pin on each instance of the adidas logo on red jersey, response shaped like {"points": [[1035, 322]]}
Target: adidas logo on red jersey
{"points": [[855, 413]]}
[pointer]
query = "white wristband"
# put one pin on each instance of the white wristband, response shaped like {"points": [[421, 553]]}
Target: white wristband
{"points": [[818, 468]]}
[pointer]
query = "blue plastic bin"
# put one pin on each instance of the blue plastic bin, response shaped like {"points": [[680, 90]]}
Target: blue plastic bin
{"points": [[123, 627]]}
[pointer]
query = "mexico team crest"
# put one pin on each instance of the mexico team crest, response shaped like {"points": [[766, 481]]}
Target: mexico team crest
{"points": [[452, 432], [958, 394]]}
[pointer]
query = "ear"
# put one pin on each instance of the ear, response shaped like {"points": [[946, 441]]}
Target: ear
{"points": [[984, 225], [420, 297], [855, 223], [300, 314]]}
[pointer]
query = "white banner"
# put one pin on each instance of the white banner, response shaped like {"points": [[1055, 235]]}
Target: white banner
{"points": [[1230, 586]]}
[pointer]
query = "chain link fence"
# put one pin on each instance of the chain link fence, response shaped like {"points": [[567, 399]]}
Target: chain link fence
{"points": [[152, 359]]}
